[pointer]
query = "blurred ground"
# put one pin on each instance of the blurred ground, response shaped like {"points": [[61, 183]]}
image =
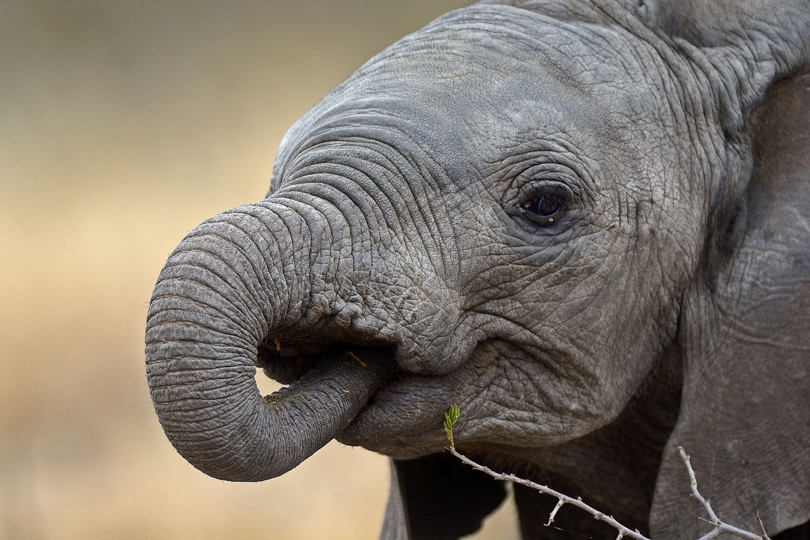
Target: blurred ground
{"points": [[122, 126]]}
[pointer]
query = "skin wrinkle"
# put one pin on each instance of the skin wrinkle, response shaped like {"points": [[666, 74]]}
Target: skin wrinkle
{"points": [[263, 231], [348, 209], [242, 213], [279, 241], [202, 251], [195, 374], [446, 251], [201, 424], [240, 331], [505, 290], [176, 404], [327, 242], [170, 296], [372, 133], [436, 241], [549, 148], [318, 184], [293, 225], [547, 346], [317, 240], [325, 181], [487, 398], [328, 245], [221, 447], [602, 43], [227, 264], [175, 314], [188, 260], [436, 337], [426, 227], [258, 273], [567, 300]]}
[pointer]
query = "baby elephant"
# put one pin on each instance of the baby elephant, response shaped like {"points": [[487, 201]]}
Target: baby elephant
{"points": [[584, 222]]}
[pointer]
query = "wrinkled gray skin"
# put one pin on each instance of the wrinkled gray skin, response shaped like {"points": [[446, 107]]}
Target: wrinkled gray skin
{"points": [[667, 303]]}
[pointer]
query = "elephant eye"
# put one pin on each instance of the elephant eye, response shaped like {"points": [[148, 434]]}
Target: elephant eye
{"points": [[546, 207]]}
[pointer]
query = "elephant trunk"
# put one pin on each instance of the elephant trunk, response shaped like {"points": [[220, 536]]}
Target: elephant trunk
{"points": [[232, 281]]}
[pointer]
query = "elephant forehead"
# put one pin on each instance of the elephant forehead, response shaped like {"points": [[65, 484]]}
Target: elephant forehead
{"points": [[484, 52], [483, 76]]}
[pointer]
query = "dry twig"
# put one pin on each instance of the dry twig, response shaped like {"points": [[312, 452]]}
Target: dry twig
{"points": [[720, 527], [450, 418], [624, 532]]}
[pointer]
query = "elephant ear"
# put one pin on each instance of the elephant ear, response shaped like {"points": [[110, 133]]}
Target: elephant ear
{"points": [[745, 322], [436, 497]]}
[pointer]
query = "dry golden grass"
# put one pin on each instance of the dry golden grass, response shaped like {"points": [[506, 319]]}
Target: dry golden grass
{"points": [[122, 126]]}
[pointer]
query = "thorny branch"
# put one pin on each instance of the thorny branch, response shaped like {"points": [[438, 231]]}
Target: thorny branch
{"points": [[624, 532], [720, 527]]}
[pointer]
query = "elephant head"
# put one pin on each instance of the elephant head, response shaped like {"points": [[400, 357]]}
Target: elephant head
{"points": [[569, 218]]}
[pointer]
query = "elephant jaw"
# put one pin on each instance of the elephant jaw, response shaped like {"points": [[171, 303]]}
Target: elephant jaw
{"points": [[402, 416], [504, 393]]}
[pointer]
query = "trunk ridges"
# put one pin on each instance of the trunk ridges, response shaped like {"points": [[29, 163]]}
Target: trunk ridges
{"points": [[227, 285]]}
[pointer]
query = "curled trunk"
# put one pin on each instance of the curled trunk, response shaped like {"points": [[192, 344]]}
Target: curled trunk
{"points": [[233, 280]]}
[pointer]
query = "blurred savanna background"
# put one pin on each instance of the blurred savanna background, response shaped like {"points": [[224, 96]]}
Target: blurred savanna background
{"points": [[122, 126]]}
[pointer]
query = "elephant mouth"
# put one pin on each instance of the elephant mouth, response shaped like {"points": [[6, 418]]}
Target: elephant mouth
{"points": [[285, 366], [294, 364], [298, 364], [289, 361], [402, 414]]}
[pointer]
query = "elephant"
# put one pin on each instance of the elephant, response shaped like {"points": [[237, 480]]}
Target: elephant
{"points": [[584, 222]]}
